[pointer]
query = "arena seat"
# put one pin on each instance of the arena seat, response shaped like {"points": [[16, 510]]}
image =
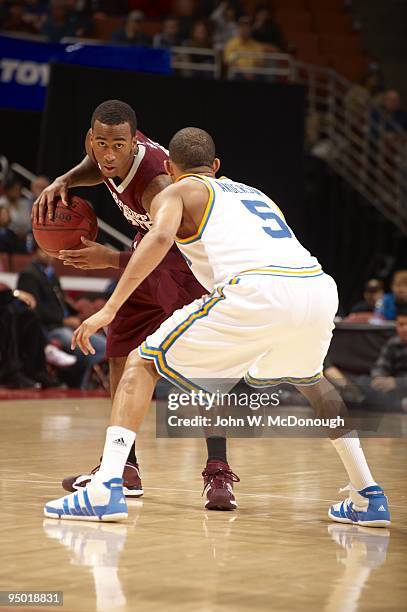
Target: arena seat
{"points": [[294, 20], [351, 67], [338, 44], [332, 22], [330, 5], [104, 27]]}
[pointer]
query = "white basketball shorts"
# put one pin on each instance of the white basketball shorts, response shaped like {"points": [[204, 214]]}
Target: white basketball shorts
{"points": [[269, 329]]}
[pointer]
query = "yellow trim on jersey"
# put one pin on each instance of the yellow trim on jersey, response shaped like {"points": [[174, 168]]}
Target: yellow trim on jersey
{"points": [[207, 211], [202, 312], [158, 357], [158, 353]]}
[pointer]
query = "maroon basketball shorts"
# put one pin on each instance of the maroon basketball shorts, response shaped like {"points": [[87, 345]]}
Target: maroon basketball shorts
{"points": [[167, 288]]}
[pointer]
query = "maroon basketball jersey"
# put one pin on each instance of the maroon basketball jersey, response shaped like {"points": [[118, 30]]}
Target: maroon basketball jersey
{"points": [[171, 285], [148, 163]]}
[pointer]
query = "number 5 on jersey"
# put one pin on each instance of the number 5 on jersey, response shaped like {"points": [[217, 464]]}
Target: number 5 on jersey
{"points": [[276, 227]]}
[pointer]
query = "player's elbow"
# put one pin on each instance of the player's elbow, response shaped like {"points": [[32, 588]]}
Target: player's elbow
{"points": [[162, 238]]}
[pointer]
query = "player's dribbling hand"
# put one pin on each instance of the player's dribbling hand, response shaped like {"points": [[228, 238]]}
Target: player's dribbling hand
{"points": [[45, 201], [81, 335], [93, 256]]}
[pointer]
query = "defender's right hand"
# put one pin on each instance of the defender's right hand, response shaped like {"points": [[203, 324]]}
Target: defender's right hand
{"points": [[45, 202]]}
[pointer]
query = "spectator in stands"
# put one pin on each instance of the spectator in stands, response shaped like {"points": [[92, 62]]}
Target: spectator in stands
{"points": [[3, 13], [206, 8], [266, 31], [133, 33], [15, 19], [373, 83], [60, 22], [152, 10], [372, 293], [23, 345], [387, 307], [169, 35], [35, 12], [80, 14], [20, 212], [224, 19], [392, 105], [200, 39], [389, 374], [101, 8], [36, 187], [185, 12], [243, 43], [348, 388], [56, 314], [392, 108], [9, 242]]}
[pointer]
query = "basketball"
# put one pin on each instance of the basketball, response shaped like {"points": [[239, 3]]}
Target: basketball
{"points": [[64, 231]]}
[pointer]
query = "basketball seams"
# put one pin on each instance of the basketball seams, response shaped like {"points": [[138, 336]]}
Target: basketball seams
{"points": [[63, 233]]}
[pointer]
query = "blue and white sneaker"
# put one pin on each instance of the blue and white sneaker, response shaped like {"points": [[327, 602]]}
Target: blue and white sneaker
{"points": [[99, 501], [368, 507]]}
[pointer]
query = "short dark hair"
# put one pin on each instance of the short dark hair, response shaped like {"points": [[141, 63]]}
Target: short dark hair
{"points": [[401, 310], [11, 181], [114, 112], [191, 148]]}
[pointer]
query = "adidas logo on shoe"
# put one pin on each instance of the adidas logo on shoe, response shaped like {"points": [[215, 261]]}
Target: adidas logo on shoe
{"points": [[120, 442], [381, 509]]}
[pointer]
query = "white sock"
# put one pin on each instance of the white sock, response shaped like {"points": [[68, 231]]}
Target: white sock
{"points": [[353, 458], [117, 447]]}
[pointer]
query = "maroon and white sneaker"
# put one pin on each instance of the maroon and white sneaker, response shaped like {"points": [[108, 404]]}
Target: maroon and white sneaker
{"points": [[218, 485], [132, 486]]}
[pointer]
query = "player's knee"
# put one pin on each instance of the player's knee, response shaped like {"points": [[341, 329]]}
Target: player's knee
{"points": [[136, 364]]}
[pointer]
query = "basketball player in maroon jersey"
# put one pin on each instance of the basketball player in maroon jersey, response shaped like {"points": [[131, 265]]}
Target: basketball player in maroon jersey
{"points": [[132, 168]]}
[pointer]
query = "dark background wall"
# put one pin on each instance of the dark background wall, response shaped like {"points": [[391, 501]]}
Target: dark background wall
{"points": [[352, 240], [258, 127], [19, 136]]}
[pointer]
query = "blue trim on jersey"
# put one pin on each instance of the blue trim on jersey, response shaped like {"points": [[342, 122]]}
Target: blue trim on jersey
{"points": [[158, 353], [158, 356], [207, 213]]}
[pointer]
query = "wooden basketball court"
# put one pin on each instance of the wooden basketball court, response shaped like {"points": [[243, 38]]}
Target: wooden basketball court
{"points": [[278, 551]]}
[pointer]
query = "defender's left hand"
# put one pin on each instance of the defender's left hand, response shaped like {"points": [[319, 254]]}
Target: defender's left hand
{"points": [[81, 335]]}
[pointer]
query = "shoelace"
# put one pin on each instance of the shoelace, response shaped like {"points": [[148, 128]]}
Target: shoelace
{"points": [[218, 476], [348, 500]]}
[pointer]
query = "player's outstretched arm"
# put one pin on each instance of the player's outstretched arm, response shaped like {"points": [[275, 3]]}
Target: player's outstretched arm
{"points": [[85, 174], [166, 211]]}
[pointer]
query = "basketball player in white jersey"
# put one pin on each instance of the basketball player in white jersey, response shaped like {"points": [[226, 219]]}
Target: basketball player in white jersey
{"points": [[269, 318]]}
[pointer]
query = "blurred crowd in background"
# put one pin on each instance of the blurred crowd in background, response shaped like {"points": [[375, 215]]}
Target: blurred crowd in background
{"points": [[38, 318]]}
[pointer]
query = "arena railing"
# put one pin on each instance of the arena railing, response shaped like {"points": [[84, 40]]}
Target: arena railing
{"points": [[185, 60], [361, 142], [364, 144]]}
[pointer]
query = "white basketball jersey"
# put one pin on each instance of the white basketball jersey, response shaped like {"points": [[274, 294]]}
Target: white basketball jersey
{"points": [[242, 231]]}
